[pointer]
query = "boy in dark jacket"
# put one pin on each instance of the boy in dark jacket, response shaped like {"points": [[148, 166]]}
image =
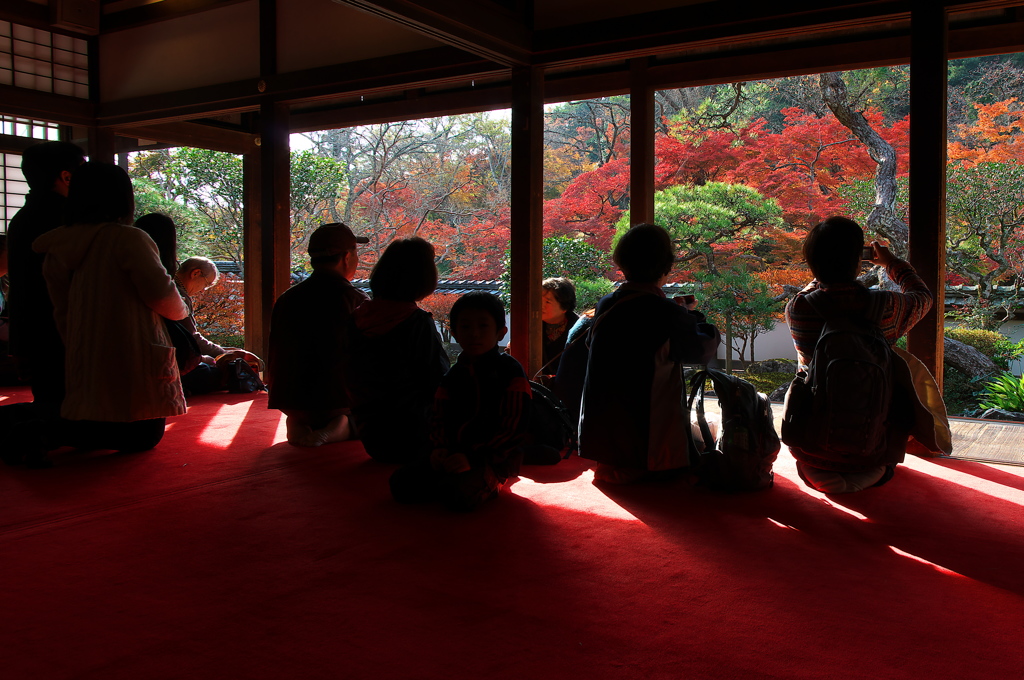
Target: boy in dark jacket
{"points": [[479, 415]]}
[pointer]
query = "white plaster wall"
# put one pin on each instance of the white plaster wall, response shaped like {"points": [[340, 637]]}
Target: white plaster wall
{"points": [[775, 344], [316, 33], [206, 48]]}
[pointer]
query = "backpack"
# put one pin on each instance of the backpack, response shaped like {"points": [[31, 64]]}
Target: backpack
{"points": [[742, 456], [837, 410], [551, 434]]}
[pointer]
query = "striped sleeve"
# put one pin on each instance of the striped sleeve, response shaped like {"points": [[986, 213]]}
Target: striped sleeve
{"points": [[906, 308]]}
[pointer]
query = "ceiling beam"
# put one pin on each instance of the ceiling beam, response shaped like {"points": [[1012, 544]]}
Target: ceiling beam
{"points": [[186, 133], [476, 26], [416, 69], [56, 108], [25, 13], [408, 108], [707, 27], [118, 20]]}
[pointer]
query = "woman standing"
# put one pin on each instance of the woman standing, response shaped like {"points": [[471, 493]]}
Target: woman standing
{"points": [[109, 292]]}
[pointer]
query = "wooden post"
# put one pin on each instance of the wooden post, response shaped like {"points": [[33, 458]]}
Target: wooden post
{"points": [[267, 180], [101, 145], [641, 148], [527, 216], [928, 75], [266, 173]]}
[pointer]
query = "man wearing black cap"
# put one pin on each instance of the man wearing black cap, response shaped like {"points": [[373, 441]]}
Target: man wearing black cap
{"points": [[305, 366]]}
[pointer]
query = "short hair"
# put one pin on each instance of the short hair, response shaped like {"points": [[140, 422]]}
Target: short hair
{"points": [[161, 229], [326, 261], [478, 300], [563, 290], [644, 253], [832, 250], [100, 192], [41, 164], [203, 264], [405, 271], [3, 242]]}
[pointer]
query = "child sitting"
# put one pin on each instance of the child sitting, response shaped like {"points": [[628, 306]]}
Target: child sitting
{"points": [[478, 422], [396, 356]]}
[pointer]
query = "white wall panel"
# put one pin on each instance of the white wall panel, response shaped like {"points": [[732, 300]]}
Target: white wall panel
{"points": [[206, 48], [316, 33]]}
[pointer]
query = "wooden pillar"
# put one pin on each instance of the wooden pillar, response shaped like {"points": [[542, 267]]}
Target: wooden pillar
{"points": [[641, 146], [527, 216], [101, 145], [267, 180], [267, 265], [928, 76]]}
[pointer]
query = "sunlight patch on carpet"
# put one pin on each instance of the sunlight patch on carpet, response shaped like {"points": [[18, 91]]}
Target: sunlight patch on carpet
{"points": [[581, 495], [972, 482], [222, 426], [281, 434], [934, 566], [825, 499], [781, 525]]}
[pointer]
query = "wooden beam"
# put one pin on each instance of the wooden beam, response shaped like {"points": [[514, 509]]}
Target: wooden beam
{"points": [[417, 69], [56, 108], [15, 144], [157, 11], [26, 13], [192, 134], [479, 28], [101, 145], [928, 96], [708, 27], [527, 206], [641, 148], [385, 111]]}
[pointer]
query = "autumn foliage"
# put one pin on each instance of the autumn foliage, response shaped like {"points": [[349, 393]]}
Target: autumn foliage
{"points": [[219, 310]]}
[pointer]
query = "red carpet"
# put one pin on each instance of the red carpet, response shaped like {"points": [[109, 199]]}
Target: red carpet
{"points": [[227, 553]]}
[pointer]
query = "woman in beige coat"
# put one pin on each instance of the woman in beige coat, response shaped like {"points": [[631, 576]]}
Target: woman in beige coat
{"points": [[109, 292]]}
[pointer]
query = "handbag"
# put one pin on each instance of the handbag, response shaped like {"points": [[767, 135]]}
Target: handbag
{"points": [[238, 376]]}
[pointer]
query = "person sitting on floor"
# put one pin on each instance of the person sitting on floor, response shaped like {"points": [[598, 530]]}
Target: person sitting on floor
{"points": [[833, 250], [479, 416], [35, 342], [633, 417], [397, 356], [309, 329], [197, 355], [558, 312], [109, 292], [193, 276]]}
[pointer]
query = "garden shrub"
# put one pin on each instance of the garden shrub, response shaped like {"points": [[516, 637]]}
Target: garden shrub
{"points": [[990, 343], [959, 392], [1004, 392], [768, 382]]}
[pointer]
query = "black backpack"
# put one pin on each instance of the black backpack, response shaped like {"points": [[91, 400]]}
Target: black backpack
{"points": [[838, 409], [741, 458], [551, 434]]}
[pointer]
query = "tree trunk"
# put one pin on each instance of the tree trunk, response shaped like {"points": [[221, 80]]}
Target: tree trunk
{"points": [[968, 360], [883, 219]]}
